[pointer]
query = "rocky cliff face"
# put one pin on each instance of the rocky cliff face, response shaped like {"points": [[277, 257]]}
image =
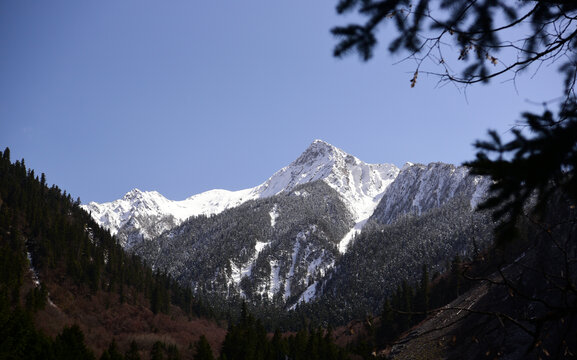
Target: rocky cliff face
{"points": [[419, 188]]}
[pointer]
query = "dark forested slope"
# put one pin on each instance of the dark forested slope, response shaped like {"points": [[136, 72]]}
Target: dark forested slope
{"points": [[67, 285]]}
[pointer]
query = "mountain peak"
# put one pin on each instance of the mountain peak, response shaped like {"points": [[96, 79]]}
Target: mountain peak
{"points": [[319, 152], [320, 143], [360, 184], [134, 193], [137, 194]]}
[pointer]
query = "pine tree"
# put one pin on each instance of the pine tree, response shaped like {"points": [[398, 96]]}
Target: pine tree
{"points": [[69, 345], [6, 155], [423, 292], [157, 351], [132, 352], [112, 353], [203, 350]]}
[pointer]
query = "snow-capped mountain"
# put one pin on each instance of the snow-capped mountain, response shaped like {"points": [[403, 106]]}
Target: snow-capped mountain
{"points": [[145, 215]]}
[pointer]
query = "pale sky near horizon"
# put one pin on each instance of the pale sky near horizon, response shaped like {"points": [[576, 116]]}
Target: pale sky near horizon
{"points": [[187, 96]]}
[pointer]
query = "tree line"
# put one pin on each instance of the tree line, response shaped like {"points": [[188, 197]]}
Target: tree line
{"points": [[247, 339]]}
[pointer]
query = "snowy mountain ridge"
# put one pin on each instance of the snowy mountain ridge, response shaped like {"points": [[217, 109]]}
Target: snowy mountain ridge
{"points": [[116, 214], [149, 213], [419, 188]]}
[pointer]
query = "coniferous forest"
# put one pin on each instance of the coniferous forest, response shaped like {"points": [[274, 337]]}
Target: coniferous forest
{"points": [[49, 243]]}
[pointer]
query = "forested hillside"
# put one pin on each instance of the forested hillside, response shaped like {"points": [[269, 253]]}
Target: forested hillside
{"points": [[267, 250], [61, 274], [384, 257]]}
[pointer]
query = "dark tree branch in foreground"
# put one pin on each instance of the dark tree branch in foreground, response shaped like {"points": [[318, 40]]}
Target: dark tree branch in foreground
{"points": [[529, 166], [471, 31]]}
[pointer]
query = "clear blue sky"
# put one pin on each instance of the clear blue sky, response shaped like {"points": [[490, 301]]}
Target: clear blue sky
{"points": [[186, 96]]}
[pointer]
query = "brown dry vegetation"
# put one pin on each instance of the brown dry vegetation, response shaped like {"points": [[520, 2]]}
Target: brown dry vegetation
{"points": [[355, 330], [103, 317]]}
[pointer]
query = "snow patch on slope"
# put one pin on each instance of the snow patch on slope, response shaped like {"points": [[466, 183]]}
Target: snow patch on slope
{"points": [[301, 236], [308, 295], [274, 214], [346, 240], [481, 191], [239, 271], [275, 280]]}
